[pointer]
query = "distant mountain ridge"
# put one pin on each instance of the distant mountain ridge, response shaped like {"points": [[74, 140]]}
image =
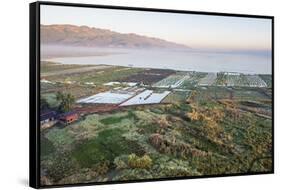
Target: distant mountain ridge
{"points": [[72, 35]]}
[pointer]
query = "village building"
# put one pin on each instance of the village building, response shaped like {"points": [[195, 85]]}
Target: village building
{"points": [[47, 117], [68, 117]]}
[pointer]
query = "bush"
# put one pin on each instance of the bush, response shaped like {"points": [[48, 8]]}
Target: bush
{"points": [[121, 162], [156, 140], [133, 161], [139, 162], [102, 168], [59, 167]]}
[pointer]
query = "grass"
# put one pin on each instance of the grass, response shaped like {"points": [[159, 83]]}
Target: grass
{"points": [[47, 67], [106, 146], [176, 96], [118, 134], [47, 147], [60, 137], [107, 75], [148, 128], [235, 93], [99, 138], [114, 120]]}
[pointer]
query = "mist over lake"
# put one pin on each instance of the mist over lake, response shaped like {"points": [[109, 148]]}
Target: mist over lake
{"points": [[202, 61]]}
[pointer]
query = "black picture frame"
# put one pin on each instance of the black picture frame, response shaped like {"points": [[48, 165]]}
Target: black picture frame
{"points": [[34, 89]]}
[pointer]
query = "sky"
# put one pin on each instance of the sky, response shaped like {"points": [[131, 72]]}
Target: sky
{"points": [[195, 31]]}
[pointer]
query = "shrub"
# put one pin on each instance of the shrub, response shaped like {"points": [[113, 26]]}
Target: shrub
{"points": [[133, 161], [60, 166], [102, 168], [174, 148], [156, 140], [139, 162], [121, 162]]}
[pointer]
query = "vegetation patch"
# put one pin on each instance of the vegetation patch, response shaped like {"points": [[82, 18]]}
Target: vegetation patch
{"points": [[47, 146], [51, 99], [114, 120], [106, 146], [60, 137], [196, 130]]}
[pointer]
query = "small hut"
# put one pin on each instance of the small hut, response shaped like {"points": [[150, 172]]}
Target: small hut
{"points": [[47, 116], [69, 117]]}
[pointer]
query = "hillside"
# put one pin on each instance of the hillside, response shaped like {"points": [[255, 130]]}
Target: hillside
{"points": [[72, 35]]}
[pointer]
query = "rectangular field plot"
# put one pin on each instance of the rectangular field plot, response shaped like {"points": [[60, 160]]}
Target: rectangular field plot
{"points": [[208, 80], [232, 93], [146, 97], [172, 81], [148, 76], [176, 96], [106, 98], [194, 78], [267, 79], [252, 94], [235, 79], [111, 97], [255, 81]]}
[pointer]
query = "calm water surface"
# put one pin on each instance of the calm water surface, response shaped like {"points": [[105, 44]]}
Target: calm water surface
{"points": [[253, 63]]}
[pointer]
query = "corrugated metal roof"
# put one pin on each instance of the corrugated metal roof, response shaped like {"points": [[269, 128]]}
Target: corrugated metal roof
{"points": [[48, 115]]}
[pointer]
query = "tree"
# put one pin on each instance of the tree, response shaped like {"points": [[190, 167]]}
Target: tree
{"points": [[66, 101], [59, 96]]}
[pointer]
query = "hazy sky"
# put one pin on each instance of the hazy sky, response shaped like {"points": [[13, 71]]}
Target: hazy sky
{"points": [[196, 31]]}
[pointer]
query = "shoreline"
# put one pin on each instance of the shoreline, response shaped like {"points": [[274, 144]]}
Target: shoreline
{"points": [[54, 60]]}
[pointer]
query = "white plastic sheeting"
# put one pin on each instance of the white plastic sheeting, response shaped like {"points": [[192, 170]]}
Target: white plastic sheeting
{"points": [[146, 97], [106, 98]]}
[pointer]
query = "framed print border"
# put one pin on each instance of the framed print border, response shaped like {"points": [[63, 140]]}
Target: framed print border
{"points": [[34, 87]]}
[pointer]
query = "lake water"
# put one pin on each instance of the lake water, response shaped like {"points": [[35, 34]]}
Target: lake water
{"points": [[252, 63]]}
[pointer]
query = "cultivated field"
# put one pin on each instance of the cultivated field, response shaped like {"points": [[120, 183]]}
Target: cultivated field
{"points": [[240, 80], [173, 81], [208, 80], [148, 76], [151, 123]]}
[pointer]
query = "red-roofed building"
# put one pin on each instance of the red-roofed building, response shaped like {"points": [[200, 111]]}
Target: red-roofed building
{"points": [[68, 117]]}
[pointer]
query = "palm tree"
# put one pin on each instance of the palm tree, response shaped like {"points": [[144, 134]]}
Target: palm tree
{"points": [[69, 101]]}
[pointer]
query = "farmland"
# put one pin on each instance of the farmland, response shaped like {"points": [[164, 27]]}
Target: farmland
{"points": [[235, 79], [148, 76], [139, 123], [173, 81], [208, 80]]}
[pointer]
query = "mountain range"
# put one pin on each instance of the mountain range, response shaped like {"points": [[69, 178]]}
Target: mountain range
{"points": [[72, 35]]}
